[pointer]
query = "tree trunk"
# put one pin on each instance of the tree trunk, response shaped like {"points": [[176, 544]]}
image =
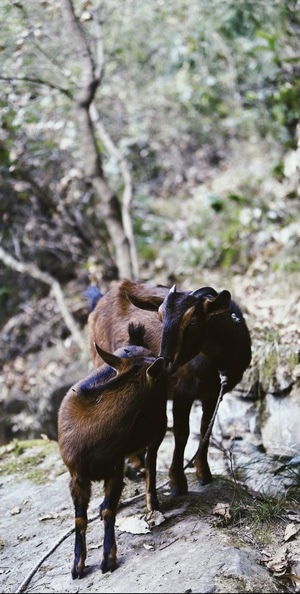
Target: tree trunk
{"points": [[109, 208]]}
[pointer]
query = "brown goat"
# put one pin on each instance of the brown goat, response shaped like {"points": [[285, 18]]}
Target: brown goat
{"points": [[201, 334], [117, 410]]}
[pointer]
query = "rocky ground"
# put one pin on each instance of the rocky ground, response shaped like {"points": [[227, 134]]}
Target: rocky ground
{"points": [[224, 537], [215, 539]]}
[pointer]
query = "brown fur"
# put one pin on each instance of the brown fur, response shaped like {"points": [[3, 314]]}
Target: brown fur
{"points": [[199, 333], [103, 419]]}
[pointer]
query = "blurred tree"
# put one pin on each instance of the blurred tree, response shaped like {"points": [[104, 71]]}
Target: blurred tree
{"points": [[116, 216], [56, 212], [117, 96]]}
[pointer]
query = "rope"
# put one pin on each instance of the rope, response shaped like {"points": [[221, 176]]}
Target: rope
{"points": [[39, 563], [223, 386]]}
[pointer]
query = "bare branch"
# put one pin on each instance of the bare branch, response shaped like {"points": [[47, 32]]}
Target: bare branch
{"points": [[113, 149], [98, 42], [43, 194], [36, 81], [109, 208], [127, 179], [32, 270], [90, 81]]}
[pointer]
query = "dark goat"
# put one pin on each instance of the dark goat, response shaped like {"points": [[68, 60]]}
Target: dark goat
{"points": [[191, 323], [200, 334], [117, 410]]}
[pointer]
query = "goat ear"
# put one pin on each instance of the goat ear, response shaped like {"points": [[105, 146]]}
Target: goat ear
{"points": [[109, 358], [219, 304], [150, 303], [156, 369], [204, 292]]}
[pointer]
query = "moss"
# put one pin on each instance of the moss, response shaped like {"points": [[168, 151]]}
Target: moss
{"points": [[231, 584], [263, 535], [18, 447], [26, 459]]}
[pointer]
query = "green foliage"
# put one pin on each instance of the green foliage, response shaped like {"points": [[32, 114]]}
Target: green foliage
{"points": [[18, 447], [182, 81], [146, 251], [265, 510], [261, 515]]}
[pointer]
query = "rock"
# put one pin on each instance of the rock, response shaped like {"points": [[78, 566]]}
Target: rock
{"points": [[280, 424], [29, 408]]}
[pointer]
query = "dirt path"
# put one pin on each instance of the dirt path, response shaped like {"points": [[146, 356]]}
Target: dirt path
{"points": [[190, 551]]}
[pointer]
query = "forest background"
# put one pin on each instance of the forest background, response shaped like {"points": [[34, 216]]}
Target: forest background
{"points": [[157, 141]]}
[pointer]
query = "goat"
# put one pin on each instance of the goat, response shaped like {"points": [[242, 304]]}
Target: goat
{"points": [[117, 410], [199, 333]]}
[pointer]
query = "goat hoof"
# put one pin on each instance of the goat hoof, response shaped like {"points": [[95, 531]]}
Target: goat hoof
{"points": [[178, 492], [152, 503], [108, 565], [205, 480], [178, 486], [179, 489], [77, 574]]}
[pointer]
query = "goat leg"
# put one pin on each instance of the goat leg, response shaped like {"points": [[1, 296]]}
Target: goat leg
{"points": [[152, 502], [181, 413], [80, 493], [203, 472], [113, 488]]}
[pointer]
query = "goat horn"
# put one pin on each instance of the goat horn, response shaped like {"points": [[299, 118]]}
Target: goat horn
{"points": [[173, 289], [113, 360]]}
